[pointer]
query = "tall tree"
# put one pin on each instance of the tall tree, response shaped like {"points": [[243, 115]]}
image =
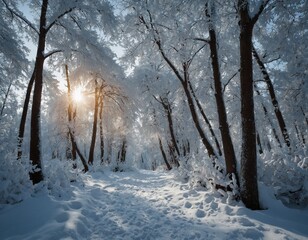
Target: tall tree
{"points": [[183, 78], [36, 174], [228, 148], [249, 185], [94, 126], [57, 12]]}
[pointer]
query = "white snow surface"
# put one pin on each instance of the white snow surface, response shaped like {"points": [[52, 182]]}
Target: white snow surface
{"points": [[146, 205]]}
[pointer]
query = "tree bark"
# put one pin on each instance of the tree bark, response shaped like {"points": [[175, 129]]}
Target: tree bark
{"points": [[36, 175], [229, 154], [123, 151], [164, 154], [83, 160], [249, 185], [94, 127], [23, 119], [101, 129], [205, 119], [70, 151], [71, 148], [173, 146]]}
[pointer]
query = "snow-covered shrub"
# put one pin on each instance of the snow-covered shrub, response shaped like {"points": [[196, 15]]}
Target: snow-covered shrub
{"points": [[208, 173], [15, 181], [288, 176], [58, 175]]}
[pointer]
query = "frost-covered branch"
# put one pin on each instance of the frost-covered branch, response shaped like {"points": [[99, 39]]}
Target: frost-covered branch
{"points": [[51, 53], [22, 18], [229, 80], [59, 17], [201, 39]]}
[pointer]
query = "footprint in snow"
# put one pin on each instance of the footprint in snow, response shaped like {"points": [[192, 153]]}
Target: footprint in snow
{"points": [[200, 213], [62, 217], [245, 222], [96, 192], [188, 205], [76, 205]]}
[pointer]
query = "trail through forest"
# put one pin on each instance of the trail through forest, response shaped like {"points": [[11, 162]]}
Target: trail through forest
{"points": [[145, 205]]}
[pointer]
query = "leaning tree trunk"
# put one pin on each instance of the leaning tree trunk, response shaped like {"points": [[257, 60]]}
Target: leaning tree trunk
{"points": [[229, 154], [270, 87], [164, 154], [206, 143], [82, 158], [205, 118], [36, 175], [23, 119], [173, 146]]}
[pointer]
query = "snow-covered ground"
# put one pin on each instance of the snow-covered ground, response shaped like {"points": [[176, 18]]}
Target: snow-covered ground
{"points": [[146, 205]]}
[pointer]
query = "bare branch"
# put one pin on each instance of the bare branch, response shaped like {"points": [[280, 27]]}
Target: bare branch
{"points": [[202, 39], [229, 80], [193, 56]]}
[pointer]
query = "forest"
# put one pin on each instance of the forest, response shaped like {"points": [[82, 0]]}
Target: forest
{"points": [[215, 91]]}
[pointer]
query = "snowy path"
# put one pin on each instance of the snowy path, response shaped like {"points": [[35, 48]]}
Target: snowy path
{"points": [[144, 205]]}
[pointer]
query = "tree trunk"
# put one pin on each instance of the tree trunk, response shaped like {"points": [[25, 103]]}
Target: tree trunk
{"points": [[228, 148], [259, 144], [6, 95], [206, 143], [94, 128], [168, 111], [268, 117], [173, 146], [205, 119], [83, 160], [270, 86], [71, 150], [23, 119], [249, 185], [36, 175], [164, 154], [300, 135], [101, 129], [123, 151]]}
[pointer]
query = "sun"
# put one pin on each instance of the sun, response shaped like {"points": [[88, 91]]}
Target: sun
{"points": [[77, 95]]}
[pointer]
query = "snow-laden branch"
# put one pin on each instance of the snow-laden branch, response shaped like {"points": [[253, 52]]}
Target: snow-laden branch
{"points": [[52, 52], [229, 80], [150, 27], [59, 17], [22, 18], [202, 39]]}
